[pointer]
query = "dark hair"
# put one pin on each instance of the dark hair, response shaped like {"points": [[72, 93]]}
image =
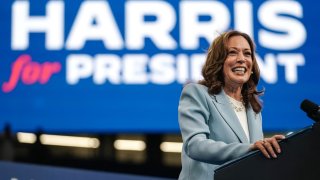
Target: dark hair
{"points": [[212, 70]]}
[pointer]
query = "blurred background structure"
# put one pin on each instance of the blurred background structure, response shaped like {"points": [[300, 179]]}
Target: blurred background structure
{"points": [[96, 84]]}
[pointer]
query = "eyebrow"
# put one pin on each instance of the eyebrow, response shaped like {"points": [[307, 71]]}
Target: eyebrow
{"points": [[238, 48]]}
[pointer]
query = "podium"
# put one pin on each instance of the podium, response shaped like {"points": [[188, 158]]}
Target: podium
{"points": [[299, 159]]}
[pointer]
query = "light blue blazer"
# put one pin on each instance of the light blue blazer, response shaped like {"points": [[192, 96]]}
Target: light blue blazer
{"points": [[211, 132]]}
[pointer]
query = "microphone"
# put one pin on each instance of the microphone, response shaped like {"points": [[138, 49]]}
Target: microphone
{"points": [[312, 109]]}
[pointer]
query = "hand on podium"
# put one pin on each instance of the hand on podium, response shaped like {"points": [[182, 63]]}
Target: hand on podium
{"points": [[269, 146]]}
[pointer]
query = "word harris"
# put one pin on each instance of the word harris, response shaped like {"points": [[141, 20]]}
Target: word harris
{"points": [[175, 60]]}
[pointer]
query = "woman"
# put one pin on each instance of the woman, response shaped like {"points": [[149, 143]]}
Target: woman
{"points": [[220, 117]]}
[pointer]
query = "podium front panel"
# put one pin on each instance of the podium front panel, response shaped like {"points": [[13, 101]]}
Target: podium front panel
{"points": [[299, 159]]}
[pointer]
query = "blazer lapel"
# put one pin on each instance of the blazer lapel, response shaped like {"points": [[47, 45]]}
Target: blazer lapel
{"points": [[225, 109]]}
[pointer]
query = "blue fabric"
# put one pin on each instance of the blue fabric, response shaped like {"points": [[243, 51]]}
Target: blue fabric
{"points": [[211, 132]]}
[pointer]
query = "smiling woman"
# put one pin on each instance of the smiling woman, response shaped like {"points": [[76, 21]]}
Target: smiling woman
{"points": [[238, 64], [220, 118]]}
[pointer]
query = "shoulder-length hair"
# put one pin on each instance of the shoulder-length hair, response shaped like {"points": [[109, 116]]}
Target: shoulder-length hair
{"points": [[212, 70]]}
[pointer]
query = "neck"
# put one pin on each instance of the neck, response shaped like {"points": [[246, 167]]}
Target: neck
{"points": [[234, 92]]}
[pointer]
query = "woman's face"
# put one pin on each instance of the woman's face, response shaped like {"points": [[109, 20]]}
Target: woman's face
{"points": [[238, 64]]}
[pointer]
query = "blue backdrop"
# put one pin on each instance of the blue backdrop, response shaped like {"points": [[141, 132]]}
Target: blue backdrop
{"points": [[119, 66]]}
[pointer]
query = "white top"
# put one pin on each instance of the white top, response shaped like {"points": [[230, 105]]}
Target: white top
{"points": [[240, 111]]}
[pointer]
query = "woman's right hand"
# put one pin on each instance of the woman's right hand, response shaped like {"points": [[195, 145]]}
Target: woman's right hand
{"points": [[269, 146]]}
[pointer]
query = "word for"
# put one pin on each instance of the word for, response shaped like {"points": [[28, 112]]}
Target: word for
{"points": [[30, 72]]}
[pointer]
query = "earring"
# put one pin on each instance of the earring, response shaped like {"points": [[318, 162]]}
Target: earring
{"points": [[251, 72]]}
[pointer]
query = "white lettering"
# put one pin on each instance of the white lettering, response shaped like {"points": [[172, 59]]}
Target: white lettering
{"points": [[182, 68], [162, 69], [137, 29], [134, 69], [94, 22], [197, 61], [191, 29], [243, 17], [268, 68], [291, 33], [52, 24], [78, 67], [291, 63], [107, 67]]}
